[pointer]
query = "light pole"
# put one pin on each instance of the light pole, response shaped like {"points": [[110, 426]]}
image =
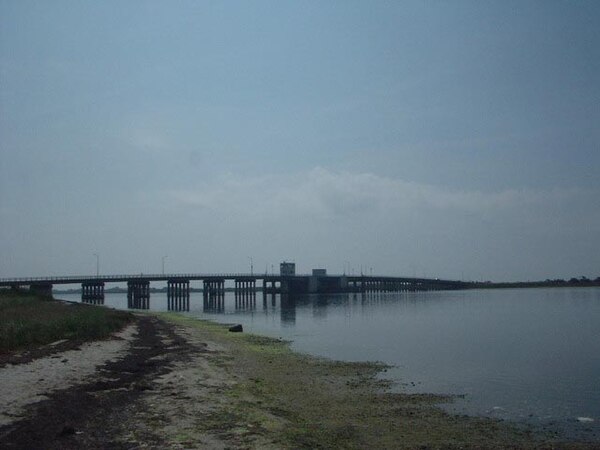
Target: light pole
{"points": [[163, 263], [251, 265], [97, 264]]}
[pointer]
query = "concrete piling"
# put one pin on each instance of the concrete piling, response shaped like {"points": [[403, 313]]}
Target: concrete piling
{"points": [[178, 295], [92, 292], [138, 294]]}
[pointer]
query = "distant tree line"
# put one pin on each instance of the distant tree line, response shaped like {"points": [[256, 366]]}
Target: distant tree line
{"points": [[558, 282]]}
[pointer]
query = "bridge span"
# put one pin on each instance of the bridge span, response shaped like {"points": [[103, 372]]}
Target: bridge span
{"points": [[213, 285]]}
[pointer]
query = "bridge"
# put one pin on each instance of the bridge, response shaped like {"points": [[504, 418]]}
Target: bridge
{"points": [[245, 285]]}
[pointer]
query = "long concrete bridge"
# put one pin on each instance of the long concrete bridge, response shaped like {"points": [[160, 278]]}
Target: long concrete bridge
{"points": [[244, 285]]}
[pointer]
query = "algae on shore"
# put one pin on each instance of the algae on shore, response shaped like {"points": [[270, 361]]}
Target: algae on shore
{"points": [[291, 400]]}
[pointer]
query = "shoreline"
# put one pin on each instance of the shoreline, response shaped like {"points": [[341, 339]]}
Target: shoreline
{"points": [[189, 383]]}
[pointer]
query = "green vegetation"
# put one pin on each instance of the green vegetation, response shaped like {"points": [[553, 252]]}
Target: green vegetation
{"points": [[30, 320], [572, 282]]}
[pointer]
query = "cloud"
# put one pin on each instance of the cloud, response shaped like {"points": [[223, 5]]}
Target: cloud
{"points": [[398, 224], [324, 193], [147, 140]]}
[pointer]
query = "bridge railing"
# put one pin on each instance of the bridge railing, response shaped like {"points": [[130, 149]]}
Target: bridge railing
{"points": [[125, 277], [122, 277]]}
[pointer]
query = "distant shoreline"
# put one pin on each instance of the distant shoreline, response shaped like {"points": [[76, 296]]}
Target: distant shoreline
{"points": [[573, 282]]}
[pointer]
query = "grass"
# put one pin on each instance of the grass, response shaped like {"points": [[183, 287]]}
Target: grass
{"points": [[27, 320]]}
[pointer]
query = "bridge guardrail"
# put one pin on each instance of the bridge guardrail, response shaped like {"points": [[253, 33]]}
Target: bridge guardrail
{"points": [[116, 278]]}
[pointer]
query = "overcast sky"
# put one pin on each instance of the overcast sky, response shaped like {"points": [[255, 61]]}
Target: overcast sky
{"points": [[445, 139]]}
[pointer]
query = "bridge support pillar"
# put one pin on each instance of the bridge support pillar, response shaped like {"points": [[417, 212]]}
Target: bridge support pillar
{"points": [[269, 287], [213, 294], [178, 295], [42, 289], [92, 292], [214, 288], [138, 294], [245, 293], [213, 304], [245, 287]]}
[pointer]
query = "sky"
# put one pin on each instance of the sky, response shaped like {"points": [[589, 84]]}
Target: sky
{"points": [[457, 140]]}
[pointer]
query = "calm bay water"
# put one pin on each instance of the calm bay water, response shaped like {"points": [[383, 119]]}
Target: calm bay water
{"points": [[528, 355]]}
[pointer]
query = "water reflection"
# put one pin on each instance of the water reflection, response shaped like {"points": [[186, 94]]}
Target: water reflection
{"points": [[320, 304], [213, 304], [288, 309], [245, 301]]}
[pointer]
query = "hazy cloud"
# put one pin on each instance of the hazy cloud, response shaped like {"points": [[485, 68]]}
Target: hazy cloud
{"points": [[324, 192]]}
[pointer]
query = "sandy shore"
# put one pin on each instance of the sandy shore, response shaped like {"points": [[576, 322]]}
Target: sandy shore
{"points": [[28, 383], [172, 382]]}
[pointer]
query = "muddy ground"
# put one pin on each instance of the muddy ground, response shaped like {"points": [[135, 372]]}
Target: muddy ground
{"points": [[172, 382]]}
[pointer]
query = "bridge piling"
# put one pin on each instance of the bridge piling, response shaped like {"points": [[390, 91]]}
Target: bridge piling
{"points": [[92, 292], [138, 294], [43, 289], [214, 288], [245, 293], [178, 295], [213, 304], [244, 287]]}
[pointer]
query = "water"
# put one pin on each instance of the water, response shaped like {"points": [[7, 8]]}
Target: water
{"points": [[528, 355]]}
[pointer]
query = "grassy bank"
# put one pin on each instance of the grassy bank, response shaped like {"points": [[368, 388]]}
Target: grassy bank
{"points": [[27, 320], [305, 402]]}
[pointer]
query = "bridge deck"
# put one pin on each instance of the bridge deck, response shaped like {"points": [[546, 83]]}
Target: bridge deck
{"points": [[78, 279]]}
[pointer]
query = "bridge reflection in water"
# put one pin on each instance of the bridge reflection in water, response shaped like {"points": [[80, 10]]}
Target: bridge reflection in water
{"points": [[285, 306]]}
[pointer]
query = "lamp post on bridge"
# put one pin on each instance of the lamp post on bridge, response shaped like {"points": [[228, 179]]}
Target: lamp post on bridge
{"points": [[251, 265], [97, 264], [163, 263]]}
